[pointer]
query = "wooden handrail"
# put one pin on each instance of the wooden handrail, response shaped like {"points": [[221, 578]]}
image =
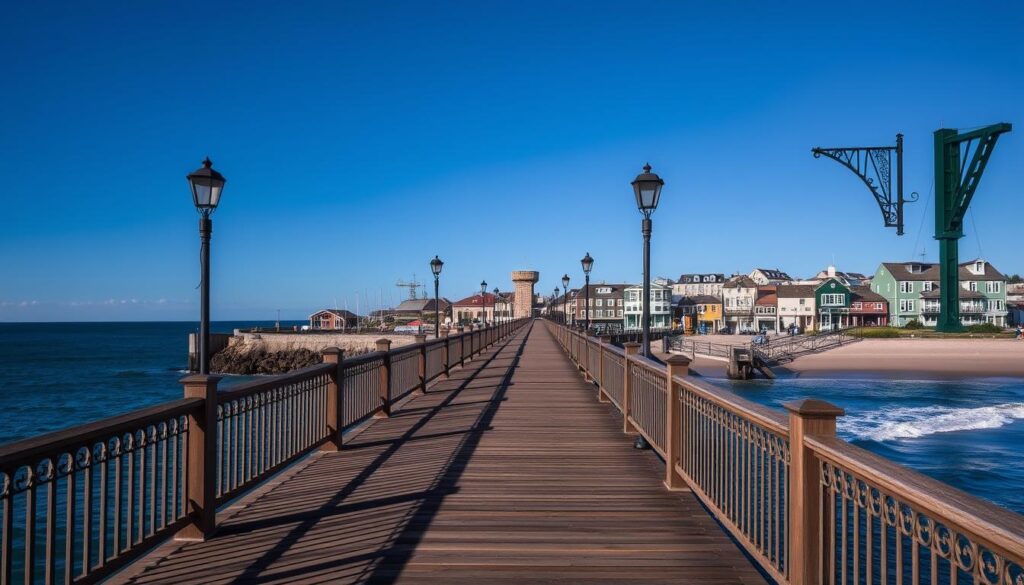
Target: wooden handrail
{"points": [[18, 453], [997, 526]]}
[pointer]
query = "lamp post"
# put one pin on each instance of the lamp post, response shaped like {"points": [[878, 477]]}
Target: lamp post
{"points": [[565, 298], [495, 311], [483, 302], [435, 267], [588, 263], [207, 186], [554, 300], [647, 188]]}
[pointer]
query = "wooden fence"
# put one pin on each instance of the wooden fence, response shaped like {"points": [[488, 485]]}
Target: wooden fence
{"points": [[807, 506], [77, 504]]}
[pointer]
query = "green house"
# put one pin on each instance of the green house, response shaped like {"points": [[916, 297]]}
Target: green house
{"points": [[832, 299], [911, 288]]}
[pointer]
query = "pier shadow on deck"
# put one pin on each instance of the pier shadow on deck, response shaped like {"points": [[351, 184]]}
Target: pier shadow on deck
{"points": [[508, 472]]}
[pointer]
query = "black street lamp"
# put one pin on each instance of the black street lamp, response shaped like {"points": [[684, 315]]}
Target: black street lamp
{"points": [[588, 263], [554, 301], [565, 298], [647, 188], [496, 291], [207, 186], [483, 303], [435, 267]]}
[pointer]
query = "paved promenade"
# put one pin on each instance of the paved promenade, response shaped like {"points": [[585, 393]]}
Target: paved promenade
{"points": [[509, 472]]}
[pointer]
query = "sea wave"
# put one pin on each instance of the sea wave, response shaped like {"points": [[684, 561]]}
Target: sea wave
{"points": [[912, 422]]}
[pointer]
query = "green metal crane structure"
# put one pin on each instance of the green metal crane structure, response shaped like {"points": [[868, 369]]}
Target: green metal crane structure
{"points": [[955, 183]]}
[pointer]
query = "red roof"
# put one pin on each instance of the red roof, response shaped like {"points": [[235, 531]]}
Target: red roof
{"points": [[474, 300]]}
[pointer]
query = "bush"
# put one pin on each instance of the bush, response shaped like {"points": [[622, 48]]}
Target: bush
{"points": [[875, 332], [984, 328], [913, 324]]}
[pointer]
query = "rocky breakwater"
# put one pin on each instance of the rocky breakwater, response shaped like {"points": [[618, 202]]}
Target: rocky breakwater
{"points": [[279, 353]]}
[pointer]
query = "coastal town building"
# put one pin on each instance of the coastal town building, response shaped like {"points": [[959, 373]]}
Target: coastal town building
{"points": [[660, 307], [606, 307], [911, 289], [423, 309], [796, 306], [476, 308], [333, 319], [767, 276], [692, 285], [738, 296], [766, 309], [700, 313]]}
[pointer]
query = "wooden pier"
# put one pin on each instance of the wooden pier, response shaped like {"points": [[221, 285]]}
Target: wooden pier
{"points": [[501, 454], [508, 472]]}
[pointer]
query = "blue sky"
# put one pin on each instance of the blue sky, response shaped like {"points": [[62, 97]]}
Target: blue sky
{"points": [[360, 139]]}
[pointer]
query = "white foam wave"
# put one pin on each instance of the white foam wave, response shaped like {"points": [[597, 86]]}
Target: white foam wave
{"points": [[909, 423]]}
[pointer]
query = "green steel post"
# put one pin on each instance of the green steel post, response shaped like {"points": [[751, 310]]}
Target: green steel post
{"points": [[947, 161]]}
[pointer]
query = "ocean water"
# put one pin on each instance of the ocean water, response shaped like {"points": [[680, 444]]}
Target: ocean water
{"points": [[967, 433], [56, 375]]}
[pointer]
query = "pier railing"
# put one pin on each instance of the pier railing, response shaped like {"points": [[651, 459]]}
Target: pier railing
{"points": [[807, 506], [78, 504]]}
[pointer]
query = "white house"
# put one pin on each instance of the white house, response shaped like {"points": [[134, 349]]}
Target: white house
{"points": [[660, 307], [795, 306], [766, 276]]}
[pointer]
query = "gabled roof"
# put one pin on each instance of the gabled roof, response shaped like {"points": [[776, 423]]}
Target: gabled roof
{"points": [[475, 300], [741, 281], [929, 271], [767, 295], [700, 300], [339, 312], [417, 305], [864, 294], [774, 273], [795, 291]]}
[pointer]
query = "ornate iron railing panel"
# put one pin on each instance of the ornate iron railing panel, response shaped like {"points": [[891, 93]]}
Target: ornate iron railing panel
{"points": [[614, 374], [647, 403], [405, 373], [435, 360], [886, 524], [739, 467], [77, 504], [266, 425], [360, 390]]}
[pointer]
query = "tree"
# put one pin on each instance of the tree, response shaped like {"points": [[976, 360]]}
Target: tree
{"points": [[1015, 279]]}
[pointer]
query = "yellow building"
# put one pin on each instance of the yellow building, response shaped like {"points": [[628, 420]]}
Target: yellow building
{"points": [[701, 313]]}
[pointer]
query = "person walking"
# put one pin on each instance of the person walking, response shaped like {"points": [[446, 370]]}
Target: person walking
{"points": [[1020, 332]]}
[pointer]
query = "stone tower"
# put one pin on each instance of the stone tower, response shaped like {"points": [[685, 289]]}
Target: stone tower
{"points": [[524, 281]]}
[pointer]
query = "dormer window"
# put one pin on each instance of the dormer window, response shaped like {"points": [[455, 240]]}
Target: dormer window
{"points": [[979, 267]]}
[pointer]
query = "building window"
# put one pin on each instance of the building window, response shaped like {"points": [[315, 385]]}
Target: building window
{"points": [[907, 305], [833, 300], [620, 313], [802, 301], [878, 306], [906, 286], [619, 302], [600, 303], [993, 286], [972, 286], [927, 286]]}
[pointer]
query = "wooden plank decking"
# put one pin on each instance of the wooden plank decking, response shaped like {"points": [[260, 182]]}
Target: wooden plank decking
{"points": [[509, 472]]}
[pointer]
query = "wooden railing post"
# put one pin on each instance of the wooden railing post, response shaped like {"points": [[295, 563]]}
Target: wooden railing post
{"points": [[201, 472], [605, 341], [421, 339], [462, 345], [384, 345], [587, 374], [333, 355], [632, 348], [447, 353], [807, 417], [677, 365]]}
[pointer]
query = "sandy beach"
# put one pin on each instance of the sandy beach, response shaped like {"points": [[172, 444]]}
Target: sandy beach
{"points": [[903, 359]]}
